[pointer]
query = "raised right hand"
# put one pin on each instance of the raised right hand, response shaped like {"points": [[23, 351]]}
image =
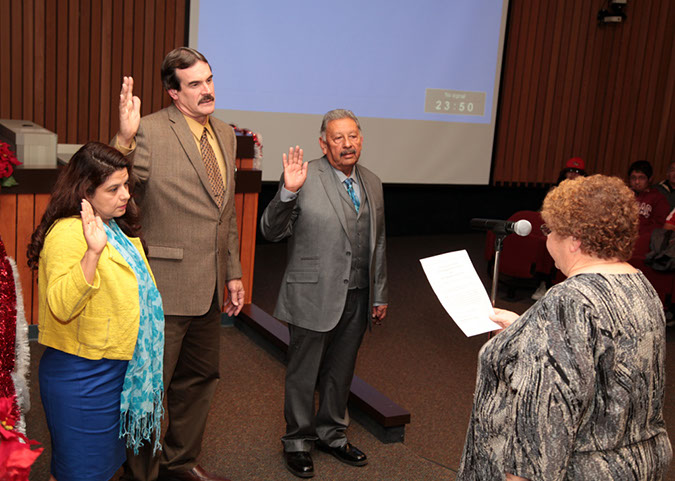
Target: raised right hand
{"points": [[92, 226], [130, 113], [295, 171]]}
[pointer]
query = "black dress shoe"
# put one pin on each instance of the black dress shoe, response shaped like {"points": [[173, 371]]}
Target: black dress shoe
{"points": [[195, 474], [299, 463], [347, 454]]}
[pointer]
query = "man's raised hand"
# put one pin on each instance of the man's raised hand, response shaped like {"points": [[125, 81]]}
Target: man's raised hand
{"points": [[295, 171], [130, 113]]}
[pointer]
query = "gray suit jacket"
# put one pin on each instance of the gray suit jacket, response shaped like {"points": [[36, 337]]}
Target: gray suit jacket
{"points": [[193, 245], [314, 287]]}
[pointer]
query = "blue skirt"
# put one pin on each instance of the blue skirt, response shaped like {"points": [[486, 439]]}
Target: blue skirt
{"points": [[81, 399]]}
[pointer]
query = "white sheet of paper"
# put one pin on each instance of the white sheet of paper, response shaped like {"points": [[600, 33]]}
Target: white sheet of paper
{"points": [[457, 285]]}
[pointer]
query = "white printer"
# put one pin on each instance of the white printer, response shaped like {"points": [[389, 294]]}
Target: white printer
{"points": [[35, 146]]}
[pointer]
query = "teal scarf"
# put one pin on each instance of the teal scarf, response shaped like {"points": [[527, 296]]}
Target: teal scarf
{"points": [[141, 407]]}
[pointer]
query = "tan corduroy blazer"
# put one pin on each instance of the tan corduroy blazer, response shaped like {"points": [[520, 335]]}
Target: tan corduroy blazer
{"points": [[193, 245]]}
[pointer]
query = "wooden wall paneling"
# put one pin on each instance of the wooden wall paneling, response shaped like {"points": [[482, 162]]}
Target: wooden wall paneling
{"points": [[560, 100], [158, 55], [522, 140], [137, 54], [116, 70], [85, 58], [589, 74], [8, 222], [549, 78], [5, 41], [62, 86], [649, 74], [663, 116], [520, 29], [93, 104], [72, 66], [503, 128], [549, 65], [606, 92], [538, 164], [562, 90], [148, 55], [108, 100], [169, 44], [239, 208], [630, 86], [655, 91], [247, 252], [24, 228], [572, 81], [51, 83], [28, 47], [15, 64], [38, 58], [180, 21], [619, 103]]}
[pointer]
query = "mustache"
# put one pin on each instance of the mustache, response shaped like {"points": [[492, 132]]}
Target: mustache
{"points": [[206, 98], [347, 152]]}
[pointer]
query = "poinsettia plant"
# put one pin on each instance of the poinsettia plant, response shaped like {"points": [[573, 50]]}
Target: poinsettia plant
{"points": [[16, 450], [8, 161]]}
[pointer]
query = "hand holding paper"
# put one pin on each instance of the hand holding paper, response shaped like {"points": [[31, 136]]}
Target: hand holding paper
{"points": [[461, 292]]}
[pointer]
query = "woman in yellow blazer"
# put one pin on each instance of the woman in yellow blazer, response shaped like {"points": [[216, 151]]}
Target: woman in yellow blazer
{"points": [[101, 318]]}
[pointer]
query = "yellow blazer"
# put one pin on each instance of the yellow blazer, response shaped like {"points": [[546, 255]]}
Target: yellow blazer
{"points": [[93, 321]]}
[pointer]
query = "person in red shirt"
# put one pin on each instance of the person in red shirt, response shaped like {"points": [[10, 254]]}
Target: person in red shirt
{"points": [[652, 205]]}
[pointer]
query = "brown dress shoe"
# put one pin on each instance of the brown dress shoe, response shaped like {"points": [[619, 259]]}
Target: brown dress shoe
{"points": [[195, 474]]}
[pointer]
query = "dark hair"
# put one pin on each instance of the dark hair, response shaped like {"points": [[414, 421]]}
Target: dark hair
{"points": [[641, 166], [89, 168], [178, 58]]}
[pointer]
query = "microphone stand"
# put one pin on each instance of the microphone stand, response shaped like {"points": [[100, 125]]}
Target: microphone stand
{"points": [[499, 245]]}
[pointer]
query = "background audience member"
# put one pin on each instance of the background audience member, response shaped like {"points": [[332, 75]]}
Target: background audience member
{"points": [[653, 207], [574, 388], [667, 185], [101, 318], [574, 168]]}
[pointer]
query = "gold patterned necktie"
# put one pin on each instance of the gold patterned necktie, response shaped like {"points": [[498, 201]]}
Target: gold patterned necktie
{"points": [[212, 168]]}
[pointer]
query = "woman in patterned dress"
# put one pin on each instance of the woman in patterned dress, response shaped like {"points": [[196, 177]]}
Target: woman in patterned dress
{"points": [[573, 389], [101, 318]]}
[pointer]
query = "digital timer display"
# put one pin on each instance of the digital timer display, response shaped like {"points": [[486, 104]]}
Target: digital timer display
{"points": [[455, 102]]}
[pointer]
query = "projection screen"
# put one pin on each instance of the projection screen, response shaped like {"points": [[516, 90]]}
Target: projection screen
{"points": [[422, 77]]}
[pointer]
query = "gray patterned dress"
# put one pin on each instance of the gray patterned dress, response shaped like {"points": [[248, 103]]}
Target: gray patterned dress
{"points": [[574, 389]]}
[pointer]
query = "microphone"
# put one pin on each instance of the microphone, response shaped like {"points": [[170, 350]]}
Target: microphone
{"points": [[521, 227]]}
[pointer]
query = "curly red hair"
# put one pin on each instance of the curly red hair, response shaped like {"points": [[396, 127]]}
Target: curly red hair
{"points": [[599, 211]]}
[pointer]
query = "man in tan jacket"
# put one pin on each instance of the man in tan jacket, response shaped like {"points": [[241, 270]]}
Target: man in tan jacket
{"points": [[185, 160]]}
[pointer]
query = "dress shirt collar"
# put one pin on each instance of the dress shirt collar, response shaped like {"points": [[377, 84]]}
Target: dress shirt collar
{"points": [[197, 129]]}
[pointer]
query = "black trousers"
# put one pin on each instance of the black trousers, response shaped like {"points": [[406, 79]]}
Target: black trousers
{"points": [[324, 361]]}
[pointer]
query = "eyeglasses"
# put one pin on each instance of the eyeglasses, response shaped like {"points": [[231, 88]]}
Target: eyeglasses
{"points": [[546, 230]]}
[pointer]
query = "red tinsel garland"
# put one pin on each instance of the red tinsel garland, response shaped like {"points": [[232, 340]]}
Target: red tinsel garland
{"points": [[7, 329]]}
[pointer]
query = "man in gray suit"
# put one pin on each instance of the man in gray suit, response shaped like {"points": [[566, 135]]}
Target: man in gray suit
{"points": [[336, 278], [185, 159]]}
